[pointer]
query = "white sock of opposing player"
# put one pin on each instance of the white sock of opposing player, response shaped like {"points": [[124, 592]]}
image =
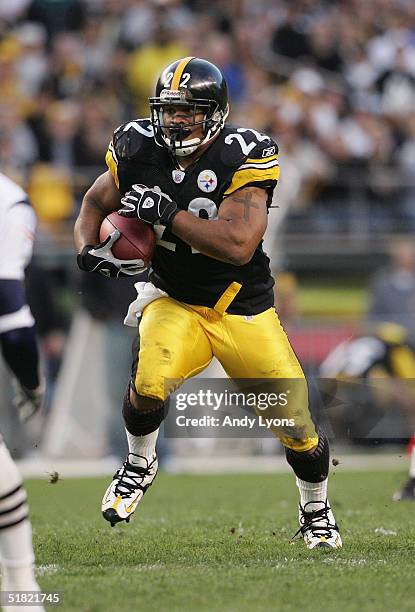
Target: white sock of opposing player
{"points": [[312, 492], [145, 446], [16, 550], [412, 463]]}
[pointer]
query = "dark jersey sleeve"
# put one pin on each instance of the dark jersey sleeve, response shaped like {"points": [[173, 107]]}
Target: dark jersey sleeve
{"points": [[260, 168], [129, 143]]}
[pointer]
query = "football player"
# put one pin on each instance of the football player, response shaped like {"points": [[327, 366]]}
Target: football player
{"points": [[17, 325], [205, 186], [20, 352], [385, 354]]}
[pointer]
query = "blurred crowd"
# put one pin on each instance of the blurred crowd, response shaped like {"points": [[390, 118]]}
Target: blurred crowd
{"points": [[333, 81]]}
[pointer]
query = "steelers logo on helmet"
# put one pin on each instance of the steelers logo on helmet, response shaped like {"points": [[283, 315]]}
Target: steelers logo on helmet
{"points": [[199, 86], [207, 181]]}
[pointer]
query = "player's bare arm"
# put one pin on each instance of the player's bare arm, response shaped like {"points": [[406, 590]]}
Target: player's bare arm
{"points": [[235, 235], [101, 199]]}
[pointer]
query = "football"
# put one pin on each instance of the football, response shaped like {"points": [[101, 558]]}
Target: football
{"points": [[137, 240]]}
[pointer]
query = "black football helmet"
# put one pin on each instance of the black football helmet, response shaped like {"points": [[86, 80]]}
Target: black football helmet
{"points": [[194, 83]]}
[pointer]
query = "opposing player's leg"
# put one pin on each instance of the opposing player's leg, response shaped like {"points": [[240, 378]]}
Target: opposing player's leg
{"points": [[19, 347], [17, 333], [171, 346], [257, 347], [16, 551]]}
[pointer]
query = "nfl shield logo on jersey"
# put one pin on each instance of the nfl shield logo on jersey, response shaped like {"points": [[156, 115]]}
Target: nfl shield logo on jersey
{"points": [[178, 176], [207, 181]]}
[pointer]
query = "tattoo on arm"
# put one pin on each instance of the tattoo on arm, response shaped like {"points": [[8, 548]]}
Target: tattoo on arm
{"points": [[247, 200]]}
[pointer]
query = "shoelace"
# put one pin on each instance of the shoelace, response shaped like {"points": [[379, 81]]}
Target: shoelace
{"points": [[315, 516], [130, 477]]}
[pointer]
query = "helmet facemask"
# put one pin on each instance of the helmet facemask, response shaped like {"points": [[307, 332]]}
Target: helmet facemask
{"points": [[174, 137]]}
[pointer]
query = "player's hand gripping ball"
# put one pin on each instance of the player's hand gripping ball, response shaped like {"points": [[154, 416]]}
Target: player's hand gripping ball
{"points": [[149, 204], [126, 248]]}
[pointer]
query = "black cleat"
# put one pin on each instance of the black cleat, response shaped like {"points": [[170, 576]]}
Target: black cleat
{"points": [[111, 516]]}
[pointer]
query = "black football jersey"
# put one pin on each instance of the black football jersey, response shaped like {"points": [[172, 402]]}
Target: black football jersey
{"points": [[239, 157]]}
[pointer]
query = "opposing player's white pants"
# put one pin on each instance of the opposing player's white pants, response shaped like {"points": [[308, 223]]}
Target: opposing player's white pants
{"points": [[17, 232]]}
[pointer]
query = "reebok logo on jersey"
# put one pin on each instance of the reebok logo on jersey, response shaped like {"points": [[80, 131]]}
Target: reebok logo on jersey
{"points": [[268, 152], [148, 203]]}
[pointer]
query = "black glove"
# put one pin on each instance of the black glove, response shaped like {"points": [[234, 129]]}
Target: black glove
{"points": [[100, 259], [148, 204]]}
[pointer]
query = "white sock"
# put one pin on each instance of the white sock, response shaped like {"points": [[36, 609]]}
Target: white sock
{"points": [[16, 550], [18, 578], [312, 492], [412, 463], [145, 446]]}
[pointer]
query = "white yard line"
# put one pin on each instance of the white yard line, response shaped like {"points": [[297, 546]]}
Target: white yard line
{"points": [[42, 467]]}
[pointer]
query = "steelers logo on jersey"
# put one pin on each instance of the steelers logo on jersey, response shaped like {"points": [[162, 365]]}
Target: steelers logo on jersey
{"points": [[207, 181]]}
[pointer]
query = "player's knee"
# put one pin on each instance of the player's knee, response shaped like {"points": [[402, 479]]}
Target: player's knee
{"points": [[311, 463], [142, 415], [142, 403], [300, 445]]}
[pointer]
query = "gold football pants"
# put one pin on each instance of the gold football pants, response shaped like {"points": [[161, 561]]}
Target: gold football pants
{"points": [[177, 341]]}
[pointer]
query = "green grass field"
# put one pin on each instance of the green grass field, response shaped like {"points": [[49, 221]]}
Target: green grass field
{"points": [[209, 543]]}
